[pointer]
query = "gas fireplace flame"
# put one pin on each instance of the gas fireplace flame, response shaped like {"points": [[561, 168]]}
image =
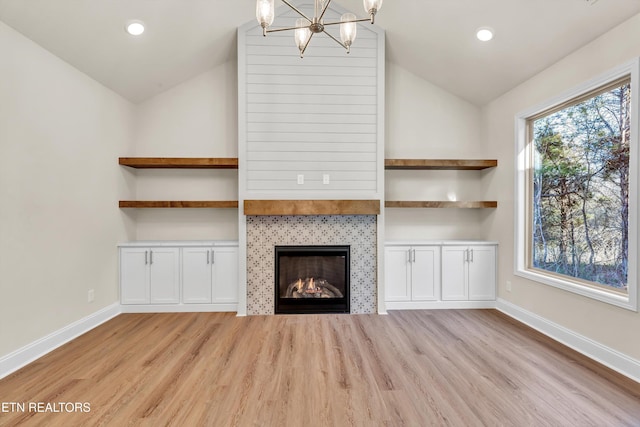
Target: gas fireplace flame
{"points": [[307, 286], [311, 287]]}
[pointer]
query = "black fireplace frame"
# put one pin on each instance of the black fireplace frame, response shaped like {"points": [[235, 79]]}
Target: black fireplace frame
{"points": [[313, 305]]}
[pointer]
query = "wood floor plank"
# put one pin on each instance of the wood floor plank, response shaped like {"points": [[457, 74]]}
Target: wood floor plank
{"points": [[413, 368]]}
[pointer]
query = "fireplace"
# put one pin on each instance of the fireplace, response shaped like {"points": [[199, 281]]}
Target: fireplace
{"points": [[312, 279]]}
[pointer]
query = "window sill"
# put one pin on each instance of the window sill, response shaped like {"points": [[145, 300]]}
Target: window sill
{"points": [[625, 302]]}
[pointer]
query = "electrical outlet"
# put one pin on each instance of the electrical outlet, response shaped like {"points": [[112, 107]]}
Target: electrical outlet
{"points": [[325, 178], [508, 285], [300, 179], [90, 295]]}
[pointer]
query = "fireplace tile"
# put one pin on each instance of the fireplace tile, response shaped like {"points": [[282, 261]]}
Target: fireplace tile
{"points": [[265, 232]]}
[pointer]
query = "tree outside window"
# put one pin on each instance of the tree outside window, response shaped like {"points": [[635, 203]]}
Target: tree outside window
{"points": [[580, 203], [577, 197]]}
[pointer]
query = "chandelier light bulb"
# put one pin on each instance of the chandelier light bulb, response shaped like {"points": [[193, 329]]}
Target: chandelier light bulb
{"points": [[372, 7], [348, 29], [301, 34], [265, 12]]}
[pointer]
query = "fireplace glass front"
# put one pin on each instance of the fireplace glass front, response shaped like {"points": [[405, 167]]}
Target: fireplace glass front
{"points": [[312, 279]]}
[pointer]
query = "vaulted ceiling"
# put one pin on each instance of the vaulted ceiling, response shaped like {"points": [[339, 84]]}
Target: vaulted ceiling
{"points": [[434, 39]]}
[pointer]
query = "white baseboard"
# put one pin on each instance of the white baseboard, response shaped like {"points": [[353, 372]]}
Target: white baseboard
{"points": [[178, 308], [27, 354], [609, 357], [438, 305]]}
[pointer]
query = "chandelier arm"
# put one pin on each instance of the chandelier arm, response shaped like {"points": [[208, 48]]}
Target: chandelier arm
{"points": [[336, 40], [324, 10], [275, 30], [346, 22], [297, 10], [305, 45]]}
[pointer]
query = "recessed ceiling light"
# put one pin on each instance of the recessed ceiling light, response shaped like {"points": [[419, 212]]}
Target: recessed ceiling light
{"points": [[135, 28], [484, 34]]}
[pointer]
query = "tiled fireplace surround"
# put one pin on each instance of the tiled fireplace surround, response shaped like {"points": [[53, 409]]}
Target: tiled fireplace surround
{"points": [[264, 233]]}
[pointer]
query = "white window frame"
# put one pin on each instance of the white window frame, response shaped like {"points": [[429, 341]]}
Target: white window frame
{"points": [[523, 162]]}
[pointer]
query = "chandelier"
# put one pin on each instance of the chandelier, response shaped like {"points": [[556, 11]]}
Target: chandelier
{"points": [[306, 27]]}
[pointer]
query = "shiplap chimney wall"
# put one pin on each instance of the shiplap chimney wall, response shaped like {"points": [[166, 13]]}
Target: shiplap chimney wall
{"points": [[318, 117]]}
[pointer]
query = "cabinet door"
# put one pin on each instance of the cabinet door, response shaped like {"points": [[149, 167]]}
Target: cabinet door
{"points": [[225, 275], [425, 273], [454, 273], [196, 275], [134, 276], [482, 273], [164, 275], [397, 273]]}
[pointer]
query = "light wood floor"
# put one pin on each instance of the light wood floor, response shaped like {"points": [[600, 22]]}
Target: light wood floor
{"points": [[414, 368]]}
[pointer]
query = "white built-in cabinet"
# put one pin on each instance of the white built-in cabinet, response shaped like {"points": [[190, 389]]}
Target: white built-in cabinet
{"points": [[468, 273], [197, 275], [412, 273], [150, 275], [441, 274], [209, 275], [179, 276]]}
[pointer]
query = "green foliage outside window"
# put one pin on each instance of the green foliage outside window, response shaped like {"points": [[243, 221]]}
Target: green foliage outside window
{"points": [[580, 191]]}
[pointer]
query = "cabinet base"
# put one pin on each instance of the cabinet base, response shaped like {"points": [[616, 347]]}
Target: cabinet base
{"points": [[178, 308], [437, 305]]}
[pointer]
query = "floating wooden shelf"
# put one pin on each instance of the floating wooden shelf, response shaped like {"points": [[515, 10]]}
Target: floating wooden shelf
{"points": [[232, 163], [443, 164], [312, 207], [178, 204], [180, 162], [440, 204], [303, 207]]}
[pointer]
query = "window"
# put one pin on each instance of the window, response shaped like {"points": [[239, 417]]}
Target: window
{"points": [[576, 215]]}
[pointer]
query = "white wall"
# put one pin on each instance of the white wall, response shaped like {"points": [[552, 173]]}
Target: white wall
{"points": [[425, 121], [199, 118], [195, 119], [612, 326], [60, 136]]}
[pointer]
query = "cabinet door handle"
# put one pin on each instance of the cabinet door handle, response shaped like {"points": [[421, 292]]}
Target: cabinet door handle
{"points": [[213, 257], [409, 255], [146, 261], [150, 257], [413, 251], [466, 255], [471, 255], [207, 256]]}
